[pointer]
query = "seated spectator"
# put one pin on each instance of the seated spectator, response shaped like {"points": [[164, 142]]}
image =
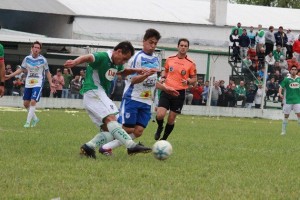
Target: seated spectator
{"points": [[277, 53], [272, 89], [75, 86], [250, 95], [258, 81], [231, 96], [260, 38], [261, 57], [283, 65], [241, 93], [252, 52], [293, 62], [234, 45], [270, 40], [270, 61], [261, 73], [296, 49], [222, 99], [258, 96], [196, 91], [216, 91], [277, 76], [231, 82], [244, 43]]}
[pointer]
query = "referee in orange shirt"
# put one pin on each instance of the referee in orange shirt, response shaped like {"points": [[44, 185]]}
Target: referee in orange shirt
{"points": [[179, 73]]}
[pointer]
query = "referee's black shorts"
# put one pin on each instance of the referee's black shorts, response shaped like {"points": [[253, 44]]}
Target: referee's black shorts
{"points": [[172, 103]]}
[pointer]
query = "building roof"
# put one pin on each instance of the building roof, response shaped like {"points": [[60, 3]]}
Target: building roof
{"points": [[50, 6]]}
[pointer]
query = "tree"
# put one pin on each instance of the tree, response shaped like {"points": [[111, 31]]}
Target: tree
{"points": [[272, 3]]}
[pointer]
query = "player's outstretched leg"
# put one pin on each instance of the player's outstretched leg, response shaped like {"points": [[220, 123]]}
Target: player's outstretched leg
{"points": [[159, 129]]}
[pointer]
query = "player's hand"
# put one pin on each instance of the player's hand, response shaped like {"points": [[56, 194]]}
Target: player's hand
{"points": [[150, 72], [52, 88], [7, 77], [70, 63], [184, 81], [172, 91]]}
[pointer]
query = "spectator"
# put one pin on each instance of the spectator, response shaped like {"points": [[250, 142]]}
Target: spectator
{"points": [[261, 73], [205, 92], [17, 87], [75, 87], [188, 96], [278, 77], [252, 52], [296, 49], [196, 91], [258, 96], [118, 88], [216, 91], [292, 62], [46, 89], [9, 83], [261, 57], [277, 53], [222, 98], [250, 95], [241, 93], [271, 89], [258, 81], [58, 81], [81, 79], [289, 44], [260, 38], [234, 45], [68, 76], [238, 27], [231, 96], [244, 44], [270, 40], [231, 82], [270, 61], [251, 36], [281, 40], [283, 66]]}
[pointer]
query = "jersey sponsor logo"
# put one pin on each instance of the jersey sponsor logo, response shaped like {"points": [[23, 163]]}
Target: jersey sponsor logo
{"points": [[171, 69], [294, 85], [183, 72], [110, 74]]}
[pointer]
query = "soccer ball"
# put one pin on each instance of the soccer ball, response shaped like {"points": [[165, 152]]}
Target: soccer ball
{"points": [[162, 149]]}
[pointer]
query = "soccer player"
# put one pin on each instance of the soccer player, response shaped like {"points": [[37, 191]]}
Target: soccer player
{"points": [[291, 86], [2, 71], [179, 73], [135, 111], [101, 70], [37, 68]]}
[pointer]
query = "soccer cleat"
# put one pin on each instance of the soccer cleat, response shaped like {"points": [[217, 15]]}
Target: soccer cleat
{"points": [[158, 132], [27, 125], [138, 148], [106, 152], [283, 133], [34, 122], [87, 151]]}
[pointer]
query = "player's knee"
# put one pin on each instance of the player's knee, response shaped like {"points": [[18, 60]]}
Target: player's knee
{"points": [[138, 132]]}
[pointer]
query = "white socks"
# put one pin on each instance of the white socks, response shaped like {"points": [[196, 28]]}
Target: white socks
{"points": [[100, 139], [116, 143], [284, 124], [120, 134], [31, 114]]}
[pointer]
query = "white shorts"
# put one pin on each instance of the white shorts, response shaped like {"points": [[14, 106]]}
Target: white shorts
{"points": [[287, 108], [99, 105]]}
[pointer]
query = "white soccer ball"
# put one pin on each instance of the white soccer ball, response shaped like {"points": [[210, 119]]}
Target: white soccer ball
{"points": [[162, 149]]}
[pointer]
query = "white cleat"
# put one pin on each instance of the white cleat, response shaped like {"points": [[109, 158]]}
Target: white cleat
{"points": [[283, 133]]}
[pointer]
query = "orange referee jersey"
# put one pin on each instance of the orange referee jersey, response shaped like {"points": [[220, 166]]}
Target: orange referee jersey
{"points": [[177, 70]]}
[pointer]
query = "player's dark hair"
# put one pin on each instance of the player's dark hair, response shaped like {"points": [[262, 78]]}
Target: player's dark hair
{"points": [[184, 40], [152, 33], [126, 47], [37, 42]]}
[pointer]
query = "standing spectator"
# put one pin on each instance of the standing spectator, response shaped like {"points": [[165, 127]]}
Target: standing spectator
{"points": [[270, 61], [188, 96], [197, 90], [17, 87], [222, 98], [251, 36], [293, 62], [205, 92], [281, 40], [234, 45], [81, 79], [252, 52], [270, 40], [289, 44], [292, 97], [261, 57], [59, 82], [271, 89], [231, 82], [241, 93], [296, 49], [238, 27], [215, 92], [244, 44], [9, 83], [246, 63], [231, 96], [2, 71], [118, 88], [258, 96], [260, 38], [37, 67], [75, 87], [283, 66], [68, 76], [180, 72]]}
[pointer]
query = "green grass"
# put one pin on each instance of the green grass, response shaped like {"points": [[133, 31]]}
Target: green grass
{"points": [[213, 158]]}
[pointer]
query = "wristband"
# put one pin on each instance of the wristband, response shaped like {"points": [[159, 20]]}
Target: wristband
{"points": [[1, 83]]}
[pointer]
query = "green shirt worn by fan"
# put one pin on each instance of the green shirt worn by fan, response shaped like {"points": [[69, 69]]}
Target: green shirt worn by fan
{"points": [[101, 71]]}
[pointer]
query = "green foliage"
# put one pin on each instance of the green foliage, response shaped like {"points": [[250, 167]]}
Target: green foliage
{"points": [[213, 158], [272, 3]]}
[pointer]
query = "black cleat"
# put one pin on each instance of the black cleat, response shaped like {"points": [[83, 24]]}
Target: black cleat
{"points": [[87, 151], [158, 132], [138, 148]]}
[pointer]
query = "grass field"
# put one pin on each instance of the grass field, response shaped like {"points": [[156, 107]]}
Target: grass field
{"points": [[213, 158]]}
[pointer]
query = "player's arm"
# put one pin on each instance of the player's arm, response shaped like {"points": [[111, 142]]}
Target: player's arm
{"points": [[128, 71], [140, 78], [52, 85], [280, 92], [17, 72], [88, 58], [168, 90]]}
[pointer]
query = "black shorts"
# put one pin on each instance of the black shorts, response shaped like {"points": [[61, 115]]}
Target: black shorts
{"points": [[172, 103]]}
